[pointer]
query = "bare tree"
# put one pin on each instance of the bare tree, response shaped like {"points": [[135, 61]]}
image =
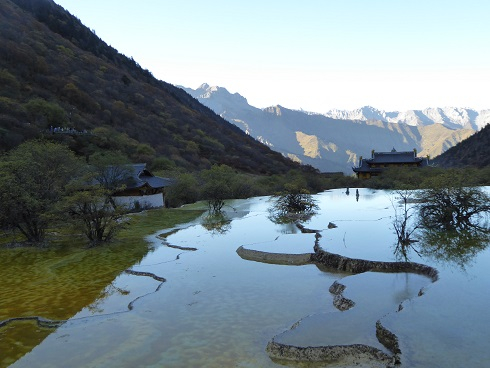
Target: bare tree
{"points": [[405, 221]]}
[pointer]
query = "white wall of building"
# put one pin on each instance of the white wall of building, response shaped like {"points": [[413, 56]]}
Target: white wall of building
{"points": [[153, 200]]}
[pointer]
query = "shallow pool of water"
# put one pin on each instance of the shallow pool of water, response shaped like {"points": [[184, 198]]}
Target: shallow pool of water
{"points": [[216, 309]]}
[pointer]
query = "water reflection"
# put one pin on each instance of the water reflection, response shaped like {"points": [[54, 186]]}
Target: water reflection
{"points": [[218, 310], [292, 207], [447, 225], [453, 207], [216, 222], [111, 290], [287, 227], [403, 250], [453, 248], [458, 247], [281, 218]]}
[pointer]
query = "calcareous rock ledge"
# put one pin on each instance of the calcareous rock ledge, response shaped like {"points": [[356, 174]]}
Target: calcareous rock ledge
{"points": [[354, 265], [354, 354]]}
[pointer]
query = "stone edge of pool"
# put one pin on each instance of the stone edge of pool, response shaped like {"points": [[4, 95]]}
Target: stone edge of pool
{"points": [[338, 353]]}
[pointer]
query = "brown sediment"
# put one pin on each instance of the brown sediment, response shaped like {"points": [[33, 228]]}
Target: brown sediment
{"points": [[50, 323], [342, 303], [336, 288], [337, 262]]}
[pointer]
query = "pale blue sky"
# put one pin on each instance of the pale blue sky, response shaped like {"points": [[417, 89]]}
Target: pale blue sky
{"points": [[310, 54]]}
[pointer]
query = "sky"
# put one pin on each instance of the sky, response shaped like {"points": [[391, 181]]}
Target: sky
{"points": [[314, 55]]}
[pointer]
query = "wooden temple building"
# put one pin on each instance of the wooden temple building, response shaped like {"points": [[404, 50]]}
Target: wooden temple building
{"points": [[379, 161], [142, 187]]}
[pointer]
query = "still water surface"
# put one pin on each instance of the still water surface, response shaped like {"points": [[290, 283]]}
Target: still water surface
{"points": [[218, 310]]}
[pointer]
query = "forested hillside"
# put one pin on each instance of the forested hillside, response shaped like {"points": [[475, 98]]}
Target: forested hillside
{"points": [[473, 151], [56, 73]]}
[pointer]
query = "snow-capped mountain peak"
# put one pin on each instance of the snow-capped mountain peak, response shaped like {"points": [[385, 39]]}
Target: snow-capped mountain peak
{"points": [[451, 117]]}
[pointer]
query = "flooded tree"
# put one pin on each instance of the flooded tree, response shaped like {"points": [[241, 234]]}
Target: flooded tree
{"points": [[404, 222], [457, 247], [293, 204], [216, 223], [453, 207], [453, 219], [217, 186], [447, 219]]}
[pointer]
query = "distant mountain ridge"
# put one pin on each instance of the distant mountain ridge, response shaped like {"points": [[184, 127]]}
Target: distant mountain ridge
{"points": [[331, 143], [451, 117]]}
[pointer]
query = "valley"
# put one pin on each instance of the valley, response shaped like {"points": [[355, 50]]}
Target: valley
{"points": [[335, 141]]}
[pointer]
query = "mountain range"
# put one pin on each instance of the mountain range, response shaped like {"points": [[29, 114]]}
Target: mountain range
{"points": [[451, 117], [335, 141], [55, 72]]}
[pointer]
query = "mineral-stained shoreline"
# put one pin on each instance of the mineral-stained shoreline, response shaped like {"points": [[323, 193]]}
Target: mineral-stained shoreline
{"points": [[50, 323]]}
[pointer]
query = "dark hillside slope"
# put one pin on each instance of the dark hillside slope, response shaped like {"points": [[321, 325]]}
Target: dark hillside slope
{"points": [[473, 151], [55, 72]]}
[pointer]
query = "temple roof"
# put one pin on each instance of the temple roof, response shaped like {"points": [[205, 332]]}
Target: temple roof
{"points": [[394, 157], [142, 177], [379, 159], [133, 176], [364, 167]]}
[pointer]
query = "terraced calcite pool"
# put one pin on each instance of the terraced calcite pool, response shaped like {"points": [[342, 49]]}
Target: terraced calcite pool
{"points": [[249, 295]]}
